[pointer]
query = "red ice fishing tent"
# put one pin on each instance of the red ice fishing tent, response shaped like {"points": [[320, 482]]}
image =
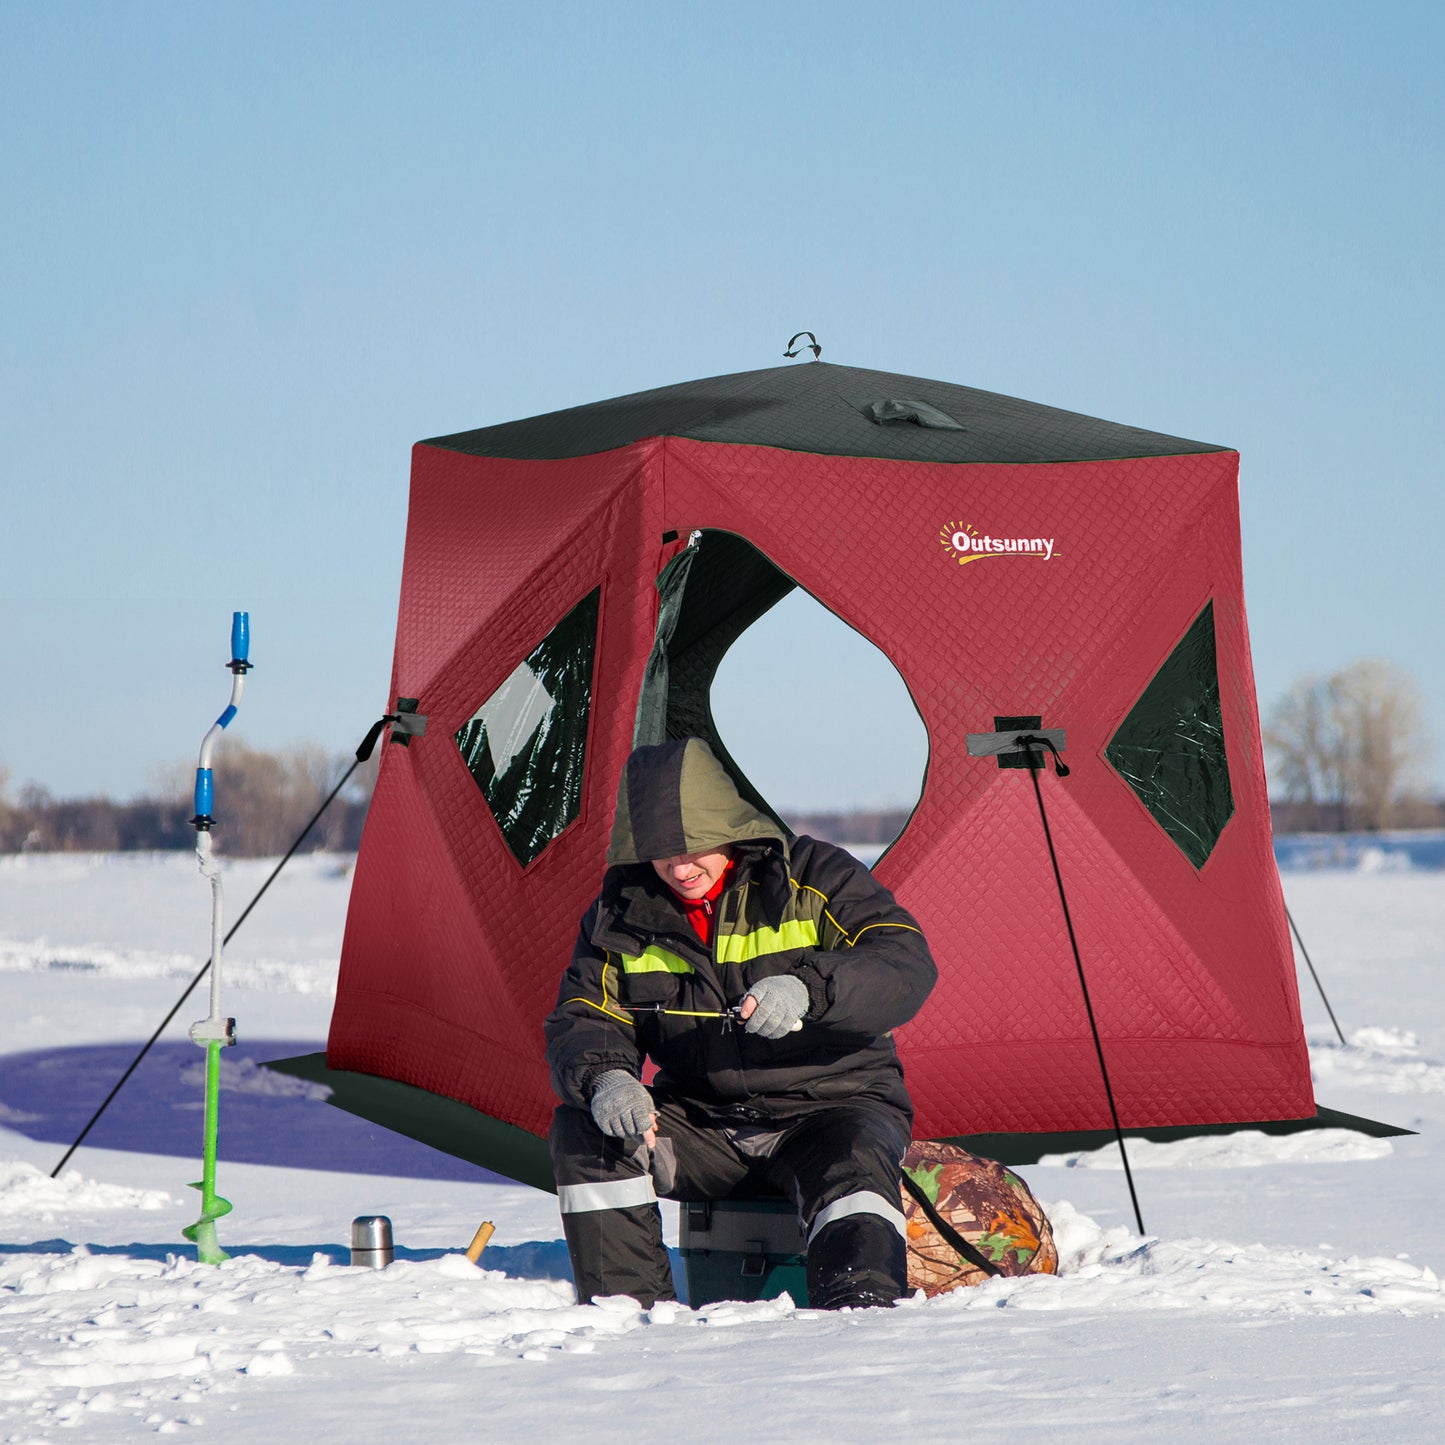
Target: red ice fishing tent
{"points": [[1022, 567]]}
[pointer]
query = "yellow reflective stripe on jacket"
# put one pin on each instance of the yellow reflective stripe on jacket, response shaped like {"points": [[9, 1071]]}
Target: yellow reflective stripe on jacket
{"points": [[605, 1007], [741, 947], [653, 959]]}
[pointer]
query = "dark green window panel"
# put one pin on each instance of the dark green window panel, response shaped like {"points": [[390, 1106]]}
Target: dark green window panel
{"points": [[524, 745], [1170, 749]]}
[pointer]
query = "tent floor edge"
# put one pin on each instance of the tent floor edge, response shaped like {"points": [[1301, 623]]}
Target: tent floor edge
{"points": [[1019, 1149], [465, 1133]]}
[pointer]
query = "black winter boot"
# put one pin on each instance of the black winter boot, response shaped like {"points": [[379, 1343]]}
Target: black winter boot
{"points": [[855, 1262]]}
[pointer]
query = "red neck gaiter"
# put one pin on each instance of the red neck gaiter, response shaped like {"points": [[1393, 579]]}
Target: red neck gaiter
{"points": [[700, 911]]}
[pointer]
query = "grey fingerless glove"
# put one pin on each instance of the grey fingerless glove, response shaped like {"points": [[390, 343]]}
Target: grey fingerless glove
{"points": [[621, 1107], [782, 1002]]}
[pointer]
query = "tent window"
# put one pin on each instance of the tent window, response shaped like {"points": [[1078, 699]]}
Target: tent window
{"points": [[524, 745], [1170, 748]]}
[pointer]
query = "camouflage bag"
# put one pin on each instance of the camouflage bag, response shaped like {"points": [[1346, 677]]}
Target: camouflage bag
{"points": [[968, 1219]]}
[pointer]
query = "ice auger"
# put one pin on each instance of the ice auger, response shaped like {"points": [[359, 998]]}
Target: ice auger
{"points": [[215, 1031]]}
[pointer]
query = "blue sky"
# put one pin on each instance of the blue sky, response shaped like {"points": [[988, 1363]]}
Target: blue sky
{"points": [[253, 252]]}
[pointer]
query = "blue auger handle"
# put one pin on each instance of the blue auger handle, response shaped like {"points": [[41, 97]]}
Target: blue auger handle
{"points": [[240, 636], [239, 665], [205, 793]]}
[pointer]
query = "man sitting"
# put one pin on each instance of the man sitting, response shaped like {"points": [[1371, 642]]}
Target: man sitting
{"points": [[763, 976]]}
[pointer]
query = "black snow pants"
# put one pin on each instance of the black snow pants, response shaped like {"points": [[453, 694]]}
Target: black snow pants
{"points": [[839, 1161]]}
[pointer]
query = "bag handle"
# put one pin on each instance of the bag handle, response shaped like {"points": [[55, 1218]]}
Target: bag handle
{"points": [[948, 1233]]}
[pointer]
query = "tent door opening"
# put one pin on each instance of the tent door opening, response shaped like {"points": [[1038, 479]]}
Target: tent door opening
{"points": [[849, 703]]}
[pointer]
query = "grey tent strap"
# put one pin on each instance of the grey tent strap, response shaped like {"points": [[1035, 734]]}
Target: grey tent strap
{"points": [[947, 1232]]}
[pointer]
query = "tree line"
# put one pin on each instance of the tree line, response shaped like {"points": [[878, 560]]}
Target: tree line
{"points": [[264, 799], [1346, 752]]}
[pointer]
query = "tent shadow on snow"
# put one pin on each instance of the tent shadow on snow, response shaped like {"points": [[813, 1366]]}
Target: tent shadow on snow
{"points": [[539, 1259], [266, 1118]]}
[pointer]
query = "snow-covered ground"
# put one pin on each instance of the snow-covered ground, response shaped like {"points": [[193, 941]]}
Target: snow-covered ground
{"points": [[1288, 1288]]}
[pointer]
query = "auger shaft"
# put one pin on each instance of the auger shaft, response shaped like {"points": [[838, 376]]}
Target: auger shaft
{"points": [[215, 1031]]}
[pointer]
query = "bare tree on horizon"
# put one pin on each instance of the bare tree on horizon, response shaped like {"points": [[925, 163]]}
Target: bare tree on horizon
{"points": [[1350, 747]]}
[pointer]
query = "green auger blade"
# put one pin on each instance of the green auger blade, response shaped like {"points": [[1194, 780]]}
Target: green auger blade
{"points": [[203, 1232], [211, 1210]]}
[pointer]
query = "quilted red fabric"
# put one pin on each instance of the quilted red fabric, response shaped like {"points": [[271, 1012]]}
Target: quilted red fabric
{"points": [[453, 950]]}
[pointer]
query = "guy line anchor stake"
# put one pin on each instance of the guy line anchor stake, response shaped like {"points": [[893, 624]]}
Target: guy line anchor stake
{"points": [[215, 1031]]}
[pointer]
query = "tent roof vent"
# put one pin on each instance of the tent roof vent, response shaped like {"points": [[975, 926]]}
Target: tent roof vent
{"points": [[898, 411]]}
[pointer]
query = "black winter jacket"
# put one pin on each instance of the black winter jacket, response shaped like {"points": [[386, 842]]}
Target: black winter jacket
{"points": [[642, 984]]}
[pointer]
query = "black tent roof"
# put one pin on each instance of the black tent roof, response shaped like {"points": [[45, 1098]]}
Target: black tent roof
{"points": [[817, 407]]}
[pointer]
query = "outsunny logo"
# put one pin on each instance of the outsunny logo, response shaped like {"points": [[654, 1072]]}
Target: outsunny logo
{"points": [[967, 544]]}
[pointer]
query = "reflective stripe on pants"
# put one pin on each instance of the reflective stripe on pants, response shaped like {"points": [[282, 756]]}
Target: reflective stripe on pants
{"points": [[865, 1201], [610, 1194]]}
